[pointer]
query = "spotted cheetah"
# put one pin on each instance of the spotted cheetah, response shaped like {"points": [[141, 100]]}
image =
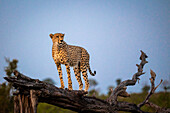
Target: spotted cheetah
{"points": [[71, 56]]}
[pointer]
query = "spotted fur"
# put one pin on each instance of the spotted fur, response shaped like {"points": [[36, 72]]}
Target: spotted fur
{"points": [[71, 56]]}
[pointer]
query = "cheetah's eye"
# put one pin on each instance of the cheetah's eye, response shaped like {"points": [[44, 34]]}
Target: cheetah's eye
{"points": [[57, 36], [62, 36]]}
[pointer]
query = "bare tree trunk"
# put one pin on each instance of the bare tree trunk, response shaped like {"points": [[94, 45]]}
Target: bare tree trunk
{"points": [[24, 103], [32, 91]]}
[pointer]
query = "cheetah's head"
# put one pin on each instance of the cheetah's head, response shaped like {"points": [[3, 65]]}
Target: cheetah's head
{"points": [[57, 38]]}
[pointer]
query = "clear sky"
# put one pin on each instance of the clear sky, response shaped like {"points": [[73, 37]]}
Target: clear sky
{"points": [[112, 31]]}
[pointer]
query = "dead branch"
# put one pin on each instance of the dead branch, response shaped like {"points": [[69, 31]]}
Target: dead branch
{"points": [[36, 91], [121, 88], [30, 92]]}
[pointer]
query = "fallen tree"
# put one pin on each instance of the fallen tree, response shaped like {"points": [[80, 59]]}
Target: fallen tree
{"points": [[30, 92]]}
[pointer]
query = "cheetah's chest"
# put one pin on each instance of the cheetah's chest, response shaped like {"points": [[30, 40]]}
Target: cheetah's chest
{"points": [[60, 57]]}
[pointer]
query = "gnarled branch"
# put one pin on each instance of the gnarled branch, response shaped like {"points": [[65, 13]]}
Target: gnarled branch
{"points": [[121, 88], [29, 92]]}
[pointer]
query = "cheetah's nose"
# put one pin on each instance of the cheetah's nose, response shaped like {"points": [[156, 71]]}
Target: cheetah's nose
{"points": [[61, 40]]}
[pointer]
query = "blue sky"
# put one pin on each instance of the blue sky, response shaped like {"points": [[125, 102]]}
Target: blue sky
{"points": [[112, 31]]}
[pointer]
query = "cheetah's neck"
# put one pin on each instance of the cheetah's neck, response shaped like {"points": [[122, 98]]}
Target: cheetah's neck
{"points": [[57, 47]]}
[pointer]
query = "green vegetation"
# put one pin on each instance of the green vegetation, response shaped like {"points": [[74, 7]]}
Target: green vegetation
{"points": [[47, 108], [161, 99], [6, 99]]}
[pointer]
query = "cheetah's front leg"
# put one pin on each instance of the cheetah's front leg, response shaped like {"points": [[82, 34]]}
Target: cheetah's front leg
{"points": [[60, 74], [69, 77]]}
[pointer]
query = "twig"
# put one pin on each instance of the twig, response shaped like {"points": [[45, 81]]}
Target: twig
{"points": [[158, 108], [153, 88]]}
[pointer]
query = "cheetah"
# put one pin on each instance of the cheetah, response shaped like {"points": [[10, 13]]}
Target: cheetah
{"points": [[71, 56]]}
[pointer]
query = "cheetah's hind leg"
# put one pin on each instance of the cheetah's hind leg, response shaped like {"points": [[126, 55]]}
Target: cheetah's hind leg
{"points": [[78, 77], [85, 77]]}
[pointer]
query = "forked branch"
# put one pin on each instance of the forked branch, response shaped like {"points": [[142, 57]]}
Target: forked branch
{"points": [[153, 88]]}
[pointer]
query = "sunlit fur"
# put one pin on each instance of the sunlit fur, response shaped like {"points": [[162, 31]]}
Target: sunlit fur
{"points": [[74, 56]]}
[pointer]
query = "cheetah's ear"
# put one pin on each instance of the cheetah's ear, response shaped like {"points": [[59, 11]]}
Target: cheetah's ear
{"points": [[51, 35]]}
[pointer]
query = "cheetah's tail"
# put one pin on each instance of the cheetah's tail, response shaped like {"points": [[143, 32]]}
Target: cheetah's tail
{"points": [[93, 74]]}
